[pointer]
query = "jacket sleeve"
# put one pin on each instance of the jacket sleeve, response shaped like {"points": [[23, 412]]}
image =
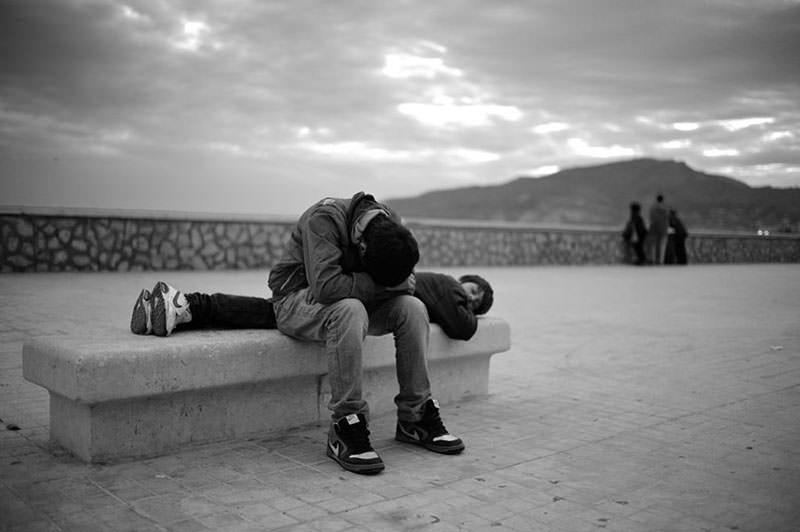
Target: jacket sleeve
{"points": [[457, 321], [322, 255]]}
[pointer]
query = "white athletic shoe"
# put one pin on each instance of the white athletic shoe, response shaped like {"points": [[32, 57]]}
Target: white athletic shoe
{"points": [[141, 322], [170, 308]]}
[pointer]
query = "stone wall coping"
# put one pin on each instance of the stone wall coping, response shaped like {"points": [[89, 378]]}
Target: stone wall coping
{"points": [[438, 223], [121, 365], [500, 225], [142, 214]]}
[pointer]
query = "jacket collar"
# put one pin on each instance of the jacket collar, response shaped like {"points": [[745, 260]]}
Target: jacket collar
{"points": [[361, 223], [363, 208]]}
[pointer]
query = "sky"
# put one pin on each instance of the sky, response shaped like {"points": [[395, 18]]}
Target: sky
{"points": [[263, 107]]}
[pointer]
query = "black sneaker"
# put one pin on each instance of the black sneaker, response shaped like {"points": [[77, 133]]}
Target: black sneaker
{"points": [[429, 431], [348, 444]]}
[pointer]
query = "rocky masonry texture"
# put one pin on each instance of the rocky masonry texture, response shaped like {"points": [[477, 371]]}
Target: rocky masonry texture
{"points": [[75, 242], [59, 243]]}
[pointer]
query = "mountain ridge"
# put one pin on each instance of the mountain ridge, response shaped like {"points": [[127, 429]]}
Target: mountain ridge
{"points": [[600, 195]]}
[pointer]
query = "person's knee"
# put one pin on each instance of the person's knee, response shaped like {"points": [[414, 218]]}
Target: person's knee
{"points": [[411, 308], [348, 315]]}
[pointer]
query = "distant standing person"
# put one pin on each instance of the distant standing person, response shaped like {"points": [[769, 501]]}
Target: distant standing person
{"points": [[677, 239], [635, 234], [659, 224]]}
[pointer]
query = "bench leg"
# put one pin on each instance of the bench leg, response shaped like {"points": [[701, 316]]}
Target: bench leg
{"points": [[151, 426]]}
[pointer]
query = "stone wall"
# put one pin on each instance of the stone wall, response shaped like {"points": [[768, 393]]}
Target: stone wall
{"points": [[107, 241]]}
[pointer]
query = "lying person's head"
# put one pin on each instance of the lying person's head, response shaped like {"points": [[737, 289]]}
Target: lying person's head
{"points": [[389, 251], [479, 292]]}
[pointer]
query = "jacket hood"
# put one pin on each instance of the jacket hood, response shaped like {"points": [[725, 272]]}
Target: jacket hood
{"points": [[363, 207]]}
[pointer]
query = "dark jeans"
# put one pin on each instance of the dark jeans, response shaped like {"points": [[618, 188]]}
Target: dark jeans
{"points": [[229, 312]]}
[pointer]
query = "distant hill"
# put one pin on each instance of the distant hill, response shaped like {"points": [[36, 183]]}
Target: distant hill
{"points": [[600, 195]]}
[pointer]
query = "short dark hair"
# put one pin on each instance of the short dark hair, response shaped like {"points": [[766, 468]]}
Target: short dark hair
{"points": [[488, 293], [392, 251]]}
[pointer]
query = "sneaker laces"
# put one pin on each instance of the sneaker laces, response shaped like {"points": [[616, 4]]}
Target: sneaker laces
{"points": [[357, 438], [432, 421]]}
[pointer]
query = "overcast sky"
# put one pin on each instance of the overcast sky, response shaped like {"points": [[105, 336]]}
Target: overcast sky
{"points": [[261, 106]]}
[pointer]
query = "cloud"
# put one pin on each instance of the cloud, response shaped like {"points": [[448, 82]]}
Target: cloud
{"points": [[550, 127], [686, 126], [405, 98], [404, 65], [443, 114], [741, 123], [581, 147]]}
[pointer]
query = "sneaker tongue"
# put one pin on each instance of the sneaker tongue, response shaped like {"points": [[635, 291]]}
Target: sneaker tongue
{"points": [[352, 419], [432, 420]]}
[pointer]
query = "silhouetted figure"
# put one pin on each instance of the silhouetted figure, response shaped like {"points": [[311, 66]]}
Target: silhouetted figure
{"points": [[676, 241], [659, 223], [635, 234]]}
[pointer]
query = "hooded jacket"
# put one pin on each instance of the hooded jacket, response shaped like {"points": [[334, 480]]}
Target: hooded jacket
{"points": [[447, 304], [635, 230], [322, 252]]}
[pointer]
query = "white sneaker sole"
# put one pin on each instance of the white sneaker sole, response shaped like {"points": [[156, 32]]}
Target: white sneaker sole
{"points": [[367, 468], [165, 308], [141, 320]]}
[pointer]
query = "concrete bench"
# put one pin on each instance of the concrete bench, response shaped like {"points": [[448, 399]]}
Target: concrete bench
{"points": [[127, 396]]}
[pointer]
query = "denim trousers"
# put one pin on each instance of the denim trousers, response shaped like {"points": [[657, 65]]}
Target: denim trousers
{"points": [[229, 311], [342, 326]]}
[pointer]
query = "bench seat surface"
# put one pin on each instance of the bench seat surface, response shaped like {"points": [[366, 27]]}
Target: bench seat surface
{"points": [[102, 368]]}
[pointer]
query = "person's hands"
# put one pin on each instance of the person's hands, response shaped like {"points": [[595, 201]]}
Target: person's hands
{"points": [[408, 286]]}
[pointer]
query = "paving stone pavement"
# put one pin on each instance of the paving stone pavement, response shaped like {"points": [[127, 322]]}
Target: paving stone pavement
{"points": [[633, 399]]}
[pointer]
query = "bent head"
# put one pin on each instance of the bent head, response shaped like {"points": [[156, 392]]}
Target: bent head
{"points": [[389, 251], [479, 293]]}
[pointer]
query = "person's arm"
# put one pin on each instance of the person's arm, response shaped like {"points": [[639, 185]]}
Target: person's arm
{"points": [[627, 233], [462, 323], [640, 228], [447, 304], [322, 255], [680, 228]]}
